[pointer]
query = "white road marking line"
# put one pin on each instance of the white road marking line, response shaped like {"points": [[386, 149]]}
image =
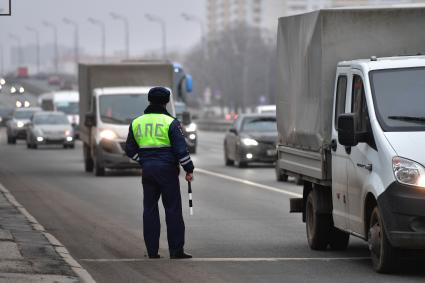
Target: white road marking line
{"points": [[225, 259], [265, 187]]}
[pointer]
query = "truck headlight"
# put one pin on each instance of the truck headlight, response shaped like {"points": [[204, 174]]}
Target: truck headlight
{"points": [[107, 134], [249, 142], [20, 124], [191, 127], [408, 172]]}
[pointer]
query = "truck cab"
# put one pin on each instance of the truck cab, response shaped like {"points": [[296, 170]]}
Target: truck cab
{"points": [[378, 174], [113, 110]]}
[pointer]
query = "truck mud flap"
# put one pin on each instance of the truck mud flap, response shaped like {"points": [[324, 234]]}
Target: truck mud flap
{"points": [[296, 205]]}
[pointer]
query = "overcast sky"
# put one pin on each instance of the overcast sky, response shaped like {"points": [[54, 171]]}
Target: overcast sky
{"points": [[145, 35]]}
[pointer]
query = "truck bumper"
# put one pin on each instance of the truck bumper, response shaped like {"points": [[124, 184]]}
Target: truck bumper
{"points": [[113, 155], [403, 212]]}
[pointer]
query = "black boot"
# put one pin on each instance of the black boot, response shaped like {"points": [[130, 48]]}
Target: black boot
{"points": [[179, 255]]}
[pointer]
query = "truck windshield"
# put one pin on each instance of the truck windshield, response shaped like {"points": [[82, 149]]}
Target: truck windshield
{"points": [[259, 124], [399, 98], [121, 109]]}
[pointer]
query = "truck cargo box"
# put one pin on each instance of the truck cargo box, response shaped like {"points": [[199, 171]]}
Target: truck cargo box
{"points": [[309, 49], [92, 76]]}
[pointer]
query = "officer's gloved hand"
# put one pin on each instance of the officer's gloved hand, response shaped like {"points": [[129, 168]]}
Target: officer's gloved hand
{"points": [[189, 177]]}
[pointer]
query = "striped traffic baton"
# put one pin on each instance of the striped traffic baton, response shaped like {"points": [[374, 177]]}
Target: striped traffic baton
{"points": [[189, 187]]}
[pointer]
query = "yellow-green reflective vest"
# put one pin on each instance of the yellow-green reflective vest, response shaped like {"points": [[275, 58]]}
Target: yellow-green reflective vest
{"points": [[151, 130]]}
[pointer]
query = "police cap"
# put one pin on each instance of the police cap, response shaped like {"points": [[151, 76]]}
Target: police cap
{"points": [[159, 95]]}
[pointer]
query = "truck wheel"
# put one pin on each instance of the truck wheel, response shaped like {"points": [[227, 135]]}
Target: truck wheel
{"points": [[99, 168], [11, 140], [88, 161], [384, 257], [227, 160], [318, 225], [338, 239]]}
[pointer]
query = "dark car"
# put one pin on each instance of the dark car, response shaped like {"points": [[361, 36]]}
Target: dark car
{"points": [[252, 138]]}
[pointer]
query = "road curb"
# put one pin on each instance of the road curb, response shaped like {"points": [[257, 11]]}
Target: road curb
{"points": [[82, 273]]}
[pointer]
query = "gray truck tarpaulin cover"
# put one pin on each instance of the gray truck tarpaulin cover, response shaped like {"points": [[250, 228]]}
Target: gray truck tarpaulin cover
{"points": [[309, 49]]}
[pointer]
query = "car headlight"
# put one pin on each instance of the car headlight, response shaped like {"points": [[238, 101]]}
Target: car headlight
{"points": [[408, 172], [1, 119], [13, 90], [2, 81], [20, 124], [191, 127], [249, 142], [107, 134], [21, 90], [27, 104]]}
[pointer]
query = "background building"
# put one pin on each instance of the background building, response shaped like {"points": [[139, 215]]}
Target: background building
{"points": [[221, 14]]}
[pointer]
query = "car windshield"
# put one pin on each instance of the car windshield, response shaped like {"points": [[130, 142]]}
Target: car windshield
{"points": [[50, 119], [259, 124], [27, 114], [68, 107], [123, 108], [399, 98]]}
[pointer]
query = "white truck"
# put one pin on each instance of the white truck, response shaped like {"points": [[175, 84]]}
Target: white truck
{"points": [[351, 122], [111, 96]]}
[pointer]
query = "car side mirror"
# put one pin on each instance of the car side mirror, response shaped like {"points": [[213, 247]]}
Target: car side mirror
{"points": [[347, 129], [90, 120], [233, 131], [186, 118]]}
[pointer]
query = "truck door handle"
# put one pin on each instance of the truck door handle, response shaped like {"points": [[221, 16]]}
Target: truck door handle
{"points": [[367, 167], [334, 145]]}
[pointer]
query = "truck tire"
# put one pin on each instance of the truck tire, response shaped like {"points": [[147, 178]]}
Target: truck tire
{"points": [[11, 140], [338, 239], [99, 168], [385, 258], [318, 225], [88, 161]]}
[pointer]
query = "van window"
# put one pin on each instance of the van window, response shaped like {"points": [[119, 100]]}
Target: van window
{"points": [[341, 90], [358, 104]]}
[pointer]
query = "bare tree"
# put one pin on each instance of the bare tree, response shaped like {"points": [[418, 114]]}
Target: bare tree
{"points": [[240, 66]]}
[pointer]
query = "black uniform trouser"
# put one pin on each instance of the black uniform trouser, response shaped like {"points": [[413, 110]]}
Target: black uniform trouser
{"points": [[162, 180]]}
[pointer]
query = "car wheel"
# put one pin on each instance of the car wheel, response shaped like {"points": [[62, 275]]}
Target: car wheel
{"points": [[227, 160], [192, 149], [65, 146], [280, 177], [12, 140], [385, 258], [317, 225], [72, 146]]}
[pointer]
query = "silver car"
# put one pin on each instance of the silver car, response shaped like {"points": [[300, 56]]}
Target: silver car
{"points": [[50, 128], [16, 126]]}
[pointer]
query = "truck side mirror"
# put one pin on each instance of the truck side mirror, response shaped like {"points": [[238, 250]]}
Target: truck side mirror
{"points": [[347, 129], [189, 83], [89, 120], [186, 118], [233, 130]]}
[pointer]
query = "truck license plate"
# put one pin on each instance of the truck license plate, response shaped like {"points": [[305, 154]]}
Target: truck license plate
{"points": [[271, 152]]}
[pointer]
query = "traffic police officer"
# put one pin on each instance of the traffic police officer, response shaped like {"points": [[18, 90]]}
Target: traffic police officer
{"points": [[156, 141]]}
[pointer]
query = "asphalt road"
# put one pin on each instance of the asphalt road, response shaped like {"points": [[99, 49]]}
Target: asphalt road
{"points": [[241, 231]]}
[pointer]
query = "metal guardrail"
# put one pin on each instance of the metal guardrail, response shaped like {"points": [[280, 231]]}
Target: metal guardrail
{"points": [[213, 125]]}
